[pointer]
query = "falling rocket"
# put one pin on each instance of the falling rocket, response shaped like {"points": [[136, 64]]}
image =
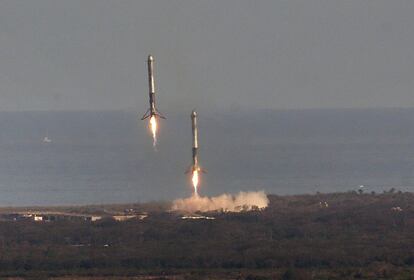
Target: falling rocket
{"points": [[194, 167], [152, 110]]}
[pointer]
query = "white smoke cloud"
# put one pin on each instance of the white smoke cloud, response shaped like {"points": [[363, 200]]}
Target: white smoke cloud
{"points": [[243, 201]]}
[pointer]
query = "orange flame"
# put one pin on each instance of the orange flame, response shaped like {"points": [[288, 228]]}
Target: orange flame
{"points": [[195, 180], [153, 127]]}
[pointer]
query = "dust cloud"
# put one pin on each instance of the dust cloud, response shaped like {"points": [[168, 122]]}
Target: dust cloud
{"points": [[243, 201]]}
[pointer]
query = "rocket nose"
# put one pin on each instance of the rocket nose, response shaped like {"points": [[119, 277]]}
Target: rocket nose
{"points": [[150, 58], [193, 114]]}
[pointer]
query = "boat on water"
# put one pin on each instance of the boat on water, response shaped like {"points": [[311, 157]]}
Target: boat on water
{"points": [[47, 140]]}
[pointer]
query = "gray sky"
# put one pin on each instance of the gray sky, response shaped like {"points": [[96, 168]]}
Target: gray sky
{"points": [[213, 55]]}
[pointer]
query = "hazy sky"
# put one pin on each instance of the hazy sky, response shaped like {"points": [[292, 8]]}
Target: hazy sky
{"points": [[213, 55]]}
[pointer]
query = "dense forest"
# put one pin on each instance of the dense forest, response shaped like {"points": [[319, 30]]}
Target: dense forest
{"points": [[321, 236]]}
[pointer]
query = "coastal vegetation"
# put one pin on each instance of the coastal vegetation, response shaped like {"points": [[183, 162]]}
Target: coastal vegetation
{"points": [[321, 236]]}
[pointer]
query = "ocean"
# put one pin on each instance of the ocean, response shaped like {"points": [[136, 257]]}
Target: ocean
{"points": [[107, 157]]}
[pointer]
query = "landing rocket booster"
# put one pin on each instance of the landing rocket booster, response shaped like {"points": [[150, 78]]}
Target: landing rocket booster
{"points": [[194, 166], [152, 110]]}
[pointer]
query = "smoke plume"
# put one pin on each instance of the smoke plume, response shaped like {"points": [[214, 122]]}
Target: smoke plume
{"points": [[243, 201]]}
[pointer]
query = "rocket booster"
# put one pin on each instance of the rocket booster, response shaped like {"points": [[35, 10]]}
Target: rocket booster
{"points": [[195, 137], [152, 110], [151, 82], [194, 166]]}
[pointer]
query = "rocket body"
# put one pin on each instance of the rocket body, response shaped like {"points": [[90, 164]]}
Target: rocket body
{"points": [[152, 110], [195, 139], [194, 165], [151, 83]]}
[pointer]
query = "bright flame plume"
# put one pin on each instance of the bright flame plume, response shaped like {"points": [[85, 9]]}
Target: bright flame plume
{"points": [[153, 127], [195, 180]]}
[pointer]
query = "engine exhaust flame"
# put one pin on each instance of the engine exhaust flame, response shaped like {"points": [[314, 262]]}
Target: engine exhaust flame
{"points": [[153, 127], [195, 180]]}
